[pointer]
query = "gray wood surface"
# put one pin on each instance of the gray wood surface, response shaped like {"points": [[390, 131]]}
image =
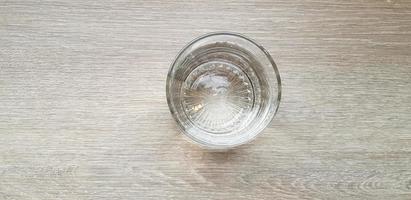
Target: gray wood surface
{"points": [[83, 112]]}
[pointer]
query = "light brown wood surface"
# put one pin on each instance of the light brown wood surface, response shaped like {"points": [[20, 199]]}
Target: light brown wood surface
{"points": [[83, 112]]}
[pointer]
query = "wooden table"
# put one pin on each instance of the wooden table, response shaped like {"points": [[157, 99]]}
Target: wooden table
{"points": [[83, 112]]}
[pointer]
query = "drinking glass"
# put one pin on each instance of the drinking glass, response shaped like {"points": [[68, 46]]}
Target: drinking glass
{"points": [[223, 89]]}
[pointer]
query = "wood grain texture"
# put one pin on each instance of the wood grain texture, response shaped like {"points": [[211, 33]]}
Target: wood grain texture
{"points": [[83, 113]]}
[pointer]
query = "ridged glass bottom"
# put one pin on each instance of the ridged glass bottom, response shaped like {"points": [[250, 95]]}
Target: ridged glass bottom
{"points": [[217, 97]]}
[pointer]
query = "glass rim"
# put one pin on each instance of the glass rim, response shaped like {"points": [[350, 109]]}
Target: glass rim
{"points": [[173, 111]]}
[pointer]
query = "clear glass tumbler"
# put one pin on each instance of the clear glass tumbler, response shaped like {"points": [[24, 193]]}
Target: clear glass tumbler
{"points": [[223, 89]]}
